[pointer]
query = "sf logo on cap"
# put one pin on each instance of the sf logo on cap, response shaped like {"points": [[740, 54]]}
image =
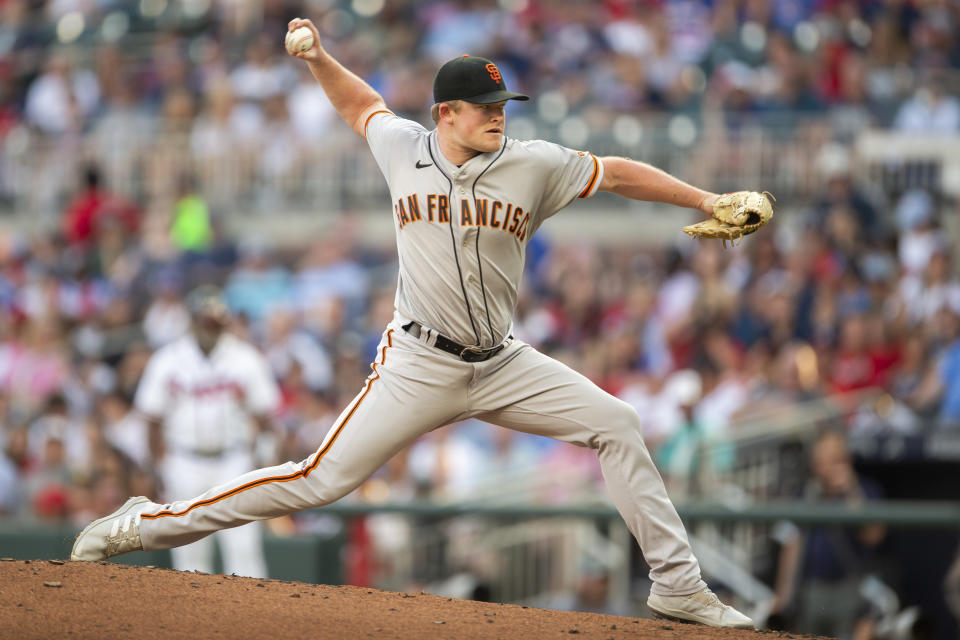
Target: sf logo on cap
{"points": [[494, 72]]}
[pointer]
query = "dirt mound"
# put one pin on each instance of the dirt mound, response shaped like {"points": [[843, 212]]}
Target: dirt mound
{"points": [[52, 598]]}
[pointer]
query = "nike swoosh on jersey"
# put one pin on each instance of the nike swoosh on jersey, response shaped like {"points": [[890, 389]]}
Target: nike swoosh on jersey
{"points": [[423, 166]]}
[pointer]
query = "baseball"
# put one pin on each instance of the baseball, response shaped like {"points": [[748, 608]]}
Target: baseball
{"points": [[299, 40]]}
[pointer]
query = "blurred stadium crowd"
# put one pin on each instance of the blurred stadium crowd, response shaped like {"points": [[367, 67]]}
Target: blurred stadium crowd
{"points": [[113, 79], [857, 299], [856, 290], [67, 65]]}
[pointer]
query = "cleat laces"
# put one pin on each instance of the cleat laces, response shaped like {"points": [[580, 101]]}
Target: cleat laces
{"points": [[708, 598], [122, 539]]}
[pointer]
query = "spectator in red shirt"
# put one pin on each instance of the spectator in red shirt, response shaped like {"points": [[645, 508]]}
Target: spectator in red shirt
{"points": [[92, 205], [854, 365]]}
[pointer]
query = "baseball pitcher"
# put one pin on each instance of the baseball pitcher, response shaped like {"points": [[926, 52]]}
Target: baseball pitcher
{"points": [[465, 200]]}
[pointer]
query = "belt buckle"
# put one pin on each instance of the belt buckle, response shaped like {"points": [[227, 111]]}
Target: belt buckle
{"points": [[472, 354], [475, 354]]}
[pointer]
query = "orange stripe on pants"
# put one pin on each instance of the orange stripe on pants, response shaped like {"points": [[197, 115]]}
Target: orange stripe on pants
{"points": [[303, 473]]}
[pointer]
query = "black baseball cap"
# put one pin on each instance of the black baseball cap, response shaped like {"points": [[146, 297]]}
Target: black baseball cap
{"points": [[473, 79]]}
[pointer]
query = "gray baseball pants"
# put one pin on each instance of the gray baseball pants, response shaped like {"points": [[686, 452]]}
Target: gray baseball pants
{"points": [[415, 388]]}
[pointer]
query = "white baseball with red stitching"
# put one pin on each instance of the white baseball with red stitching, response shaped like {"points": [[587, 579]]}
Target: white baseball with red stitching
{"points": [[299, 40]]}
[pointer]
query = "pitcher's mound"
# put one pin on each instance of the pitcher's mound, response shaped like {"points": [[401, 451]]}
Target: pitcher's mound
{"points": [[56, 599]]}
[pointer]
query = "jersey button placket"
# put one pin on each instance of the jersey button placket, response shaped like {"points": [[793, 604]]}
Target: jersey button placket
{"points": [[470, 278], [469, 257]]}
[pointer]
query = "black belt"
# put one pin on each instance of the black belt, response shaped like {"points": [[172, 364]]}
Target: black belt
{"points": [[467, 354]]}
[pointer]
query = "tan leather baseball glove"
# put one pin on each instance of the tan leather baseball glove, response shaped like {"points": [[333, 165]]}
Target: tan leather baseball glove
{"points": [[735, 215]]}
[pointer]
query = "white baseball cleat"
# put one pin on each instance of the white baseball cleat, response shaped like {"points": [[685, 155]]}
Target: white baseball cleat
{"points": [[702, 607], [111, 535]]}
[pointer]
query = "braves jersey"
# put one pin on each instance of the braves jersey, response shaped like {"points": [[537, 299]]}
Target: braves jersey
{"points": [[206, 400], [462, 231]]}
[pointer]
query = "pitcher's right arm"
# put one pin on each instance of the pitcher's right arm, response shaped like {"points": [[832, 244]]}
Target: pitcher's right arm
{"points": [[354, 99]]}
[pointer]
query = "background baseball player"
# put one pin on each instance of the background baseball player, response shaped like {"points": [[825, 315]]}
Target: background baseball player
{"points": [[204, 394], [465, 200]]}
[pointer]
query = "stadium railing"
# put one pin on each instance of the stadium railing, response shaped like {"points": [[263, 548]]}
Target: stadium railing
{"points": [[39, 173], [520, 552]]}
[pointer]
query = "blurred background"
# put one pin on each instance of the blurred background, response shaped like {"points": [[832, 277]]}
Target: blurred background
{"points": [[800, 392]]}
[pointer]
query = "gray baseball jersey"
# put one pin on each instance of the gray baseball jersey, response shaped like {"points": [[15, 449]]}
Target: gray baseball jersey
{"points": [[461, 232]]}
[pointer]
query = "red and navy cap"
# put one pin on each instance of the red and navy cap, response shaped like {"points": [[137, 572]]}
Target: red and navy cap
{"points": [[206, 303], [473, 79]]}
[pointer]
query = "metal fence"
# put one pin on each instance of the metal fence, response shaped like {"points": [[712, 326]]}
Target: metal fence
{"points": [[539, 556], [749, 480]]}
